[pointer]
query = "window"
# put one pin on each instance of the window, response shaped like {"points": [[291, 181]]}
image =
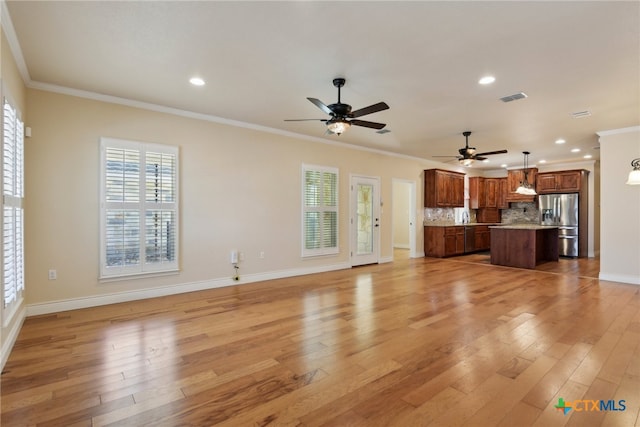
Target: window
{"points": [[319, 210], [13, 214], [139, 208]]}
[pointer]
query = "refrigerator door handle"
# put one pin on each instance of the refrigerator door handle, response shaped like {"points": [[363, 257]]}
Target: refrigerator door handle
{"points": [[559, 210]]}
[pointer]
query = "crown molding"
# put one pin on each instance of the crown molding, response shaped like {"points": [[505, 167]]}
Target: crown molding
{"points": [[618, 131], [14, 44]]}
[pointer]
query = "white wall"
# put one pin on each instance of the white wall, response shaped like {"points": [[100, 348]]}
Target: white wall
{"points": [[620, 207], [400, 213]]}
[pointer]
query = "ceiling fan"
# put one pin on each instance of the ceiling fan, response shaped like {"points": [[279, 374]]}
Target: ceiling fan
{"points": [[468, 154], [341, 115]]}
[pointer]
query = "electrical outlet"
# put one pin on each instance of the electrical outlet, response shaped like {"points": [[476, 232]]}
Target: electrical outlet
{"points": [[261, 254], [53, 274], [241, 256]]}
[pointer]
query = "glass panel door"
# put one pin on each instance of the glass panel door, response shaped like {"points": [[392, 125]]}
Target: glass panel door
{"points": [[365, 220]]}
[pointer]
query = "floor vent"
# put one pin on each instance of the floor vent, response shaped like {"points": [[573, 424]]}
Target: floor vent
{"points": [[514, 97]]}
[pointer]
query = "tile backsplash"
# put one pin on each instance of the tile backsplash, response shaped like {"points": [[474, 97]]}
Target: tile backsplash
{"points": [[518, 213], [444, 215], [521, 213], [438, 215]]}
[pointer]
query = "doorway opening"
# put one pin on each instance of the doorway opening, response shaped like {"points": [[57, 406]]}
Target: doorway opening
{"points": [[403, 214]]}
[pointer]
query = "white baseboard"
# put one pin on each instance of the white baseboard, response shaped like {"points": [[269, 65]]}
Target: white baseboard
{"points": [[12, 336], [419, 255], [385, 259], [622, 278], [98, 300]]}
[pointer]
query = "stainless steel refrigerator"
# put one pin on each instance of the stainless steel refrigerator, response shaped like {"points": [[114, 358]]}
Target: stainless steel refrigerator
{"points": [[562, 210]]}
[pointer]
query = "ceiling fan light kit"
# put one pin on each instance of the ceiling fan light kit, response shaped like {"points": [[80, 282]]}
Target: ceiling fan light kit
{"points": [[338, 126], [341, 115]]}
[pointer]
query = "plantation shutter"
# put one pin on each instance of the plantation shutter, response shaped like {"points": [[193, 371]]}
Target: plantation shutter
{"points": [[139, 212], [319, 210], [12, 198]]}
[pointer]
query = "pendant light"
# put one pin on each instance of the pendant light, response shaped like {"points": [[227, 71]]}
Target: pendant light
{"points": [[525, 188]]}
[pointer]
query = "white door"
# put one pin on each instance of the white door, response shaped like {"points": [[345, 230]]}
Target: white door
{"points": [[365, 220]]}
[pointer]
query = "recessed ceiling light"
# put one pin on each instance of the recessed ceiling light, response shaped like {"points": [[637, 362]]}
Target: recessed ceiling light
{"points": [[575, 150], [485, 161], [588, 156], [196, 81], [504, 165], [542, 161], [487, 80], [560, 141]]}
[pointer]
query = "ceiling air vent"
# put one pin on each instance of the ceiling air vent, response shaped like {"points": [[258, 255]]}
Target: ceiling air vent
{"points": [[514, 97], [383, 131], [580, 114]]}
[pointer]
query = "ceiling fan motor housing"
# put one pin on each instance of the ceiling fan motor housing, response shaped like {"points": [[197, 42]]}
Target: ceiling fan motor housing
{"points": [[340, 109]]}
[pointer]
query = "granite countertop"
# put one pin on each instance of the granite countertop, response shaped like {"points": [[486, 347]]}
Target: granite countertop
{"points": [[524, 227]]}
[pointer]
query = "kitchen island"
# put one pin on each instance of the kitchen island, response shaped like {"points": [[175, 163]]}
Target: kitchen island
{"points": [[523, 245]]}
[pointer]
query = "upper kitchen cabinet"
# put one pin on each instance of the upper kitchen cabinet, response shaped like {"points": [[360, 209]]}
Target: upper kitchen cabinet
{"points": [[561, 181], [477, 197], [484, 192], [514, 178], [443, 189], [502, 193]]}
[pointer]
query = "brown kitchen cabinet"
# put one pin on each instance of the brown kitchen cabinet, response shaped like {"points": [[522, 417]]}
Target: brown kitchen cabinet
{"points": [[477, 197], [514, 178], [453, 240], [491, 191], [483, 238], [502, 193], [560, 182], [484, 192], [443, 189], [443, 241], [488, 215]]}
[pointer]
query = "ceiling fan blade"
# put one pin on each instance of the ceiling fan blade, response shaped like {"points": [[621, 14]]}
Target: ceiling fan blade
{"points": [[304, 120], [320, 105], [479, 158], [370, 109], [444, 156], [488, 153], [364, 123]]}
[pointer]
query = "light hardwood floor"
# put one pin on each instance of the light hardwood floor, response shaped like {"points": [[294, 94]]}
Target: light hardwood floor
{"points": [[416, 342]]}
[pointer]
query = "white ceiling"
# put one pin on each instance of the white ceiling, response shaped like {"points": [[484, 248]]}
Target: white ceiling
{"points": [[262, 59]]}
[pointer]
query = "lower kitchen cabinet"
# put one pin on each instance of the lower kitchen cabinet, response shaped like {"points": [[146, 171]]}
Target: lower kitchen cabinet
{"points": [[482, 238], [443, 241], [448, 241]]}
